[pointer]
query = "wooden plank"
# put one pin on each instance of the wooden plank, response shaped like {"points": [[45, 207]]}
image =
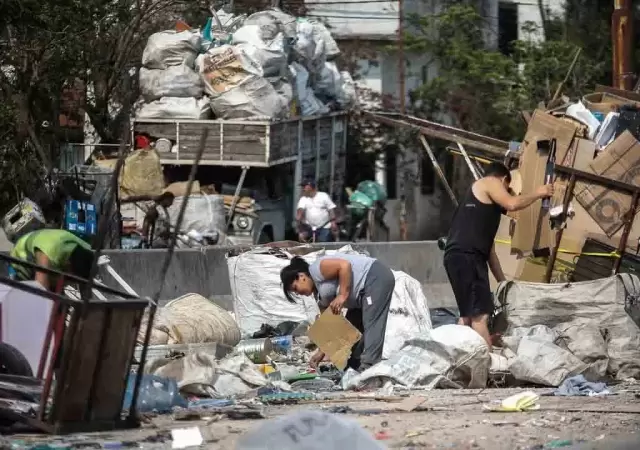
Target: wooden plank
{"points": [[72, 397], [634, 96], [116, 356]]}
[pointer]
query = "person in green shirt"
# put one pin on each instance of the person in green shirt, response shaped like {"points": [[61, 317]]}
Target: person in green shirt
{"points": [[55, 249]]}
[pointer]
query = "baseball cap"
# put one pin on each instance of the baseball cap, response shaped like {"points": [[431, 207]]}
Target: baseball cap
{"points": [[308, 182]]}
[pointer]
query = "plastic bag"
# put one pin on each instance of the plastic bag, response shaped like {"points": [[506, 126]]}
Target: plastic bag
{"points": [[307, 101], [321, 35], [269, 51], [360, 198], [175, 108], [375, 191], [273, 21], [171, 48], [254, 98], [174, 81], [310, 430], [204, 213], [156, 394], [141, 174], [347, 95], [225, 68], [329, 81]]}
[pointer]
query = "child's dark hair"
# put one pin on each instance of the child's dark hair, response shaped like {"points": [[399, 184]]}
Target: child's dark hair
{"points": [[290, 273]]}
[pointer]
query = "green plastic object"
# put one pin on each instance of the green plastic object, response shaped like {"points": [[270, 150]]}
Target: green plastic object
{"points": [[303, 376], [361, 199], [373, 190]]}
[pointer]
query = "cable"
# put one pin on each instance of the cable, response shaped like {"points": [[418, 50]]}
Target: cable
{"points": [[349, 17]]}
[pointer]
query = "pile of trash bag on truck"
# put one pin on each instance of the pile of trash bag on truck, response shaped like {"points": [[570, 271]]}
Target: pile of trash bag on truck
{"points": [[269, 65]]}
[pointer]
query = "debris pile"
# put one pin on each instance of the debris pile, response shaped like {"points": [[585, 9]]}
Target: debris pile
{"points": [[269, 65]]}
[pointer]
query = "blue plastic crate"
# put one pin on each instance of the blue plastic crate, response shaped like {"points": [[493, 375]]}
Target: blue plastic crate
{"points": [[81, 218]]}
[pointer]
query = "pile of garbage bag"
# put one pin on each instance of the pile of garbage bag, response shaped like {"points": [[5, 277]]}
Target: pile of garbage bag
{"points": [[269, 65]]}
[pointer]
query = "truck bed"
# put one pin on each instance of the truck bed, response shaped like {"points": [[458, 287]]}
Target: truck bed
{"points": [[319, 141]]}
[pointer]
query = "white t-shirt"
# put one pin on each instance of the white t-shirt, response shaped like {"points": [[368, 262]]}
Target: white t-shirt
{"points": [[316, 209]]}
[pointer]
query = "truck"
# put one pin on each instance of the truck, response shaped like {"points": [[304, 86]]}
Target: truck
{"points": [[265, 159]]}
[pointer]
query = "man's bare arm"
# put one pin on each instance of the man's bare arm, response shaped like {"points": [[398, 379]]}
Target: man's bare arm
{"points": [[498, 194], [149, 219], [43, 277]]}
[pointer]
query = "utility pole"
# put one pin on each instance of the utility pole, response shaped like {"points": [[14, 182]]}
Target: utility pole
{"points": [[401, 64], [622, 36]]}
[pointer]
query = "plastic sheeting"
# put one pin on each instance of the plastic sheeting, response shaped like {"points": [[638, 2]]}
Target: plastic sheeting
{"points": [[175, 108], [204, 213], [307, 100], [192, 319], [258, 297], [453, 353], [174, 81], [171, 48], [602, 304]]}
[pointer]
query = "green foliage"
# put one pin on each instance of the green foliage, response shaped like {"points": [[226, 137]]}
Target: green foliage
{"points": [[483, 90]]}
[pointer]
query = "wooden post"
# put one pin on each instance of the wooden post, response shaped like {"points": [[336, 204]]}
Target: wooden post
{"points": [[568, 195], [622, 37]]}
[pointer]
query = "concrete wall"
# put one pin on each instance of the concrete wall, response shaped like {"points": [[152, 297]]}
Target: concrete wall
{"points": [[206, 272]]}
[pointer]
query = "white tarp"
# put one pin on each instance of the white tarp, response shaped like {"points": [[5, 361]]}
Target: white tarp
{"points": [[174, 81], [258, 297], [171, 48], [603, 305], [451, 352]]}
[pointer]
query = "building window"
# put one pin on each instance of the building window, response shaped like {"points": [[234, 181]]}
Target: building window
{"points": [[425, 74], [427, 176], [507, 26], [391, 176]]}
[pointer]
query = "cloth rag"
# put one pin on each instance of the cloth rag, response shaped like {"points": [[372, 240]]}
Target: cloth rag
{"points": [[579, 386]]}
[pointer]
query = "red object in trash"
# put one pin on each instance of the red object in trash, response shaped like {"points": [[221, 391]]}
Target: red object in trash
{"points": [[382, 436], [142, 142]]}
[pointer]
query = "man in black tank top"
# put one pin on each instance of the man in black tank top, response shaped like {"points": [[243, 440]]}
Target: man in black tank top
{"points": [[470, 247]]}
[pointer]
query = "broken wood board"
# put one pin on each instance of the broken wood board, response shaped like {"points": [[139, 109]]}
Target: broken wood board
{"points": [[533, 231], [621, 162], [335, 336]]}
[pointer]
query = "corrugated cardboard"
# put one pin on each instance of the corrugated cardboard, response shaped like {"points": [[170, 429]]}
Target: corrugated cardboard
{"points": [[585, 150], [334, 335], [532, 229], [620, 161]]}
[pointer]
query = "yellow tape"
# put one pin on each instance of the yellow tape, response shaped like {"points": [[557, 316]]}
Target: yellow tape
{"points": [[613, 254]]}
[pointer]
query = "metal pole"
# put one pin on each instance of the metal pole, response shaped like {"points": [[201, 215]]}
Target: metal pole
{"points": [[622, 36], [401, 68], [568, 195], [472, 168]]}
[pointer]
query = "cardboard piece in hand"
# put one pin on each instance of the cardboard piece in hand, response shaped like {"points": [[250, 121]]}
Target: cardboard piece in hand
{"points": [[335, 336]]}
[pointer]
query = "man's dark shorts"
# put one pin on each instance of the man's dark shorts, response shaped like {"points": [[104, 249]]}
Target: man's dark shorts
{"points": [[469, 278]]}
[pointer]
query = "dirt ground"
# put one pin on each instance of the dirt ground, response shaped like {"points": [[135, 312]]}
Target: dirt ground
{"points": [[447, 419]]}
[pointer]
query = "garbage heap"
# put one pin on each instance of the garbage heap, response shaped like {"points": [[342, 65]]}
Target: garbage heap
{"points": [[598, 134], [269, 65]]}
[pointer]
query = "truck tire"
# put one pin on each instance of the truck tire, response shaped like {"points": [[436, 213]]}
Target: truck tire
{"points": [[12, 362]]}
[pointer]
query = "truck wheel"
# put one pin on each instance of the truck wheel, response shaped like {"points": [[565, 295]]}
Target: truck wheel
{"points": [[12, 362]]}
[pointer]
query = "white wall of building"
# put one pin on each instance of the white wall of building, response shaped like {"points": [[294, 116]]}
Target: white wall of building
{"points": [[529, 11]]}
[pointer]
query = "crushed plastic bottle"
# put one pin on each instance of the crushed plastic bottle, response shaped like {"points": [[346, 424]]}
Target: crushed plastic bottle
{"points": [[157, 394]]}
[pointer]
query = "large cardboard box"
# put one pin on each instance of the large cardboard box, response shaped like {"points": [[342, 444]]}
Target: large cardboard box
{"points": [[620, 161], [532, 229]]}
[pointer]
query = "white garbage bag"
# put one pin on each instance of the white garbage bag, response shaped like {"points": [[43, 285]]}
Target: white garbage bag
{"points": [[329, 81], [347, 95], [204, 214], [605, 303], [307, 101], [309, 430], [253, 98], [409, 314], [268, 52], [273, 21], [306, 50], [451, 352], [542, 362], [226, 67], [175, 108], [586, 341], [171, 48], [322, 36], [174, 81], [192, 319]]}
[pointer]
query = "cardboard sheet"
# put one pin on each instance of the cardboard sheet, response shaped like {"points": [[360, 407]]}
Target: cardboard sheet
{"points": [[533, 230], [620, 161], [334, 335], [585, 151]]}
